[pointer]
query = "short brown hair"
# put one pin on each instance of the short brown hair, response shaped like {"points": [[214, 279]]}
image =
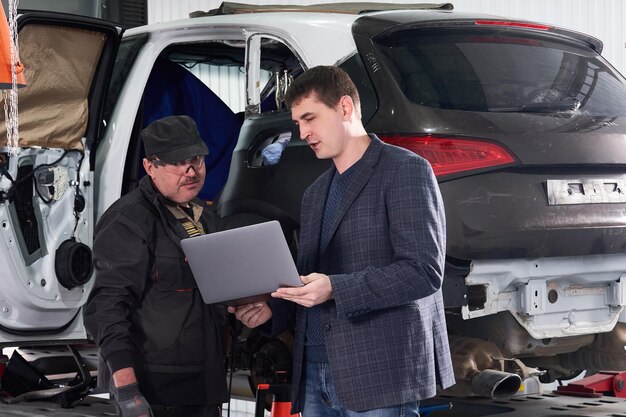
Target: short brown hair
{"points": [[329, 83]]}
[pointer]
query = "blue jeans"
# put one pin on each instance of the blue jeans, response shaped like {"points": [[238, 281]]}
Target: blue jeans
{"points": [[320, 399]]}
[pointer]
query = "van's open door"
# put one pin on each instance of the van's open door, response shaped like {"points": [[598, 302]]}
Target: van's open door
{"points": [[46, 197]]}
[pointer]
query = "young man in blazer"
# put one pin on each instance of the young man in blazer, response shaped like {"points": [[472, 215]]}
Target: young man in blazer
{"points": [[370, 332]]}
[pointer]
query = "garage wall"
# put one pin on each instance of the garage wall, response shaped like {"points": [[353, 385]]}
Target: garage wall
{"points": [[600, 18]]}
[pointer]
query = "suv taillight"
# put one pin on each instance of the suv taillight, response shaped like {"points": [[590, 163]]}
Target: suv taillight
{"points": [[453, 155]]}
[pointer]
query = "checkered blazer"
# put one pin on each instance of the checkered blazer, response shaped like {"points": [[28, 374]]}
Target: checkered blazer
{"points": [[385, 331]]}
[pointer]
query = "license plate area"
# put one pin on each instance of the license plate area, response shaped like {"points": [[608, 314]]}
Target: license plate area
{"points": [[586, 191]]}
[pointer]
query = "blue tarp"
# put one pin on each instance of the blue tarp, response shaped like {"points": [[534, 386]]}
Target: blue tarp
{"points": [[173, 90]]}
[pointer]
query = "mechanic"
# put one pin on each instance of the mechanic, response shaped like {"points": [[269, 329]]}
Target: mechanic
{"points": [[370, 332], [161, 343]]}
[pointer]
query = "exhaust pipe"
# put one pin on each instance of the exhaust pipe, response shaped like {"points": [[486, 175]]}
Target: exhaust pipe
{"points": [[479, 369], [495, 384]]}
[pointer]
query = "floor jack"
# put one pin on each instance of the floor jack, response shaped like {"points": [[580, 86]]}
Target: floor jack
{"points": [[603, 383]]}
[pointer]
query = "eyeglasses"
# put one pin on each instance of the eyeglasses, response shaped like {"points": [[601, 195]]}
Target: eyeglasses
{"points": [[180, 167]]}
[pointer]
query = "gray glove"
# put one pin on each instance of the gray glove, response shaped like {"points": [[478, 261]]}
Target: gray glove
{"points": [[130, 402]]}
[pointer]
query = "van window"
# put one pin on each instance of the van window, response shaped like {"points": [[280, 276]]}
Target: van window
{"points": [[201, 80], [126, 55]]}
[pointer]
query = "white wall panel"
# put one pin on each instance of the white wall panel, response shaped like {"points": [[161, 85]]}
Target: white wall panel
{"points": [[227, 83]]}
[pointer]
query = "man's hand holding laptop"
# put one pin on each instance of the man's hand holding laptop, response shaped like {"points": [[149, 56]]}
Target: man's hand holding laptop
{"points": [[252, 315], [315, 290]]}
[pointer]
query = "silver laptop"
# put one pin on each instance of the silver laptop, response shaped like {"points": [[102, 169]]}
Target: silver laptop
{"points": [[242, 265]]}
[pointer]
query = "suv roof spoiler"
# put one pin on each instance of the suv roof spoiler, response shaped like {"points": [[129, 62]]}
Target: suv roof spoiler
{"points": [[347, 8]]}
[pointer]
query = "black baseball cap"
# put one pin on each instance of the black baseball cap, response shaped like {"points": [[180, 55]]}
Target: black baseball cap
{"points": [[173, 139]]}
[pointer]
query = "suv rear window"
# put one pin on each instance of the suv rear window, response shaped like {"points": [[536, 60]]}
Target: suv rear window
{"points": [[495, 70]]}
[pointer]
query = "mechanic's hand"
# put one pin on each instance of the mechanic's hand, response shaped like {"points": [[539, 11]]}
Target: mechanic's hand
{"points": [[252, 315], [130, 401], [316, 290]]}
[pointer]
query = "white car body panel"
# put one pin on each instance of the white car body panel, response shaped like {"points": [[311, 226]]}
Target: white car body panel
{"points": [[587, 294], [294, 28]]}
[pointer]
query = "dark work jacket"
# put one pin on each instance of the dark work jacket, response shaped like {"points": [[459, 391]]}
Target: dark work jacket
{"points": [[145, 310]]}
